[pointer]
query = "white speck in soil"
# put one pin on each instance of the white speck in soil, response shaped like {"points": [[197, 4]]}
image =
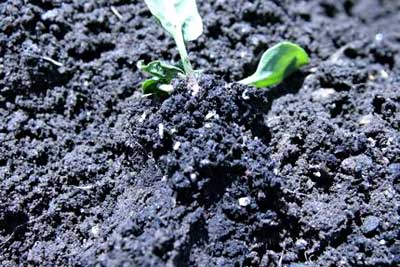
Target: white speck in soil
{"points": [[194, 85], [243, 54], [379, 37], [177, 145], [371, 77], [244, 201], [317, 174], [245, 96], [116, 13], [161, 130], [49, 15], [143, 117], [322, 94], [364, 120], [371, 141], [228, 86], [210, 115], [95, 231], [301, 244], [384, 74], [204, 162]]}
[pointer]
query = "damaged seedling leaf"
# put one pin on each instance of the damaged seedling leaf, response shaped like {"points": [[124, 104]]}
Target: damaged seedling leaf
{"points": [[276, 64]]}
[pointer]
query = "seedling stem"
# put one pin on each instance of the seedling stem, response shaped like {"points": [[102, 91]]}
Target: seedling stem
{"points": [[187, 67]]}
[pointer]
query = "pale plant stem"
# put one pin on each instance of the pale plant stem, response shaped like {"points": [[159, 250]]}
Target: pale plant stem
{"points": [[178, 36]]}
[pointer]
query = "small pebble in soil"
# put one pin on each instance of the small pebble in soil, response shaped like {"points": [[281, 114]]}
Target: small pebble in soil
{"points": [[244, 201], [161, 130], [355, 163], [143, 117], [49, 15], [210, 115], [367, 119], [322, 94], [370, 224], [95, 231], [379, 37], [177, 145], [193, 177], [384, 74], [301, 244]]}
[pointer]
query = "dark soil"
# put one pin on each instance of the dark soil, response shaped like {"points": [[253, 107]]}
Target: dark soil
{"points": [[94, 174]]}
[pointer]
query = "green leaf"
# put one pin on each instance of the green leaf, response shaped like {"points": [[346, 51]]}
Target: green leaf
{"points": [[192, 26], [178, 15], [276, 64], [162, 74], [150, 86], [160, 69], [156, 86]]}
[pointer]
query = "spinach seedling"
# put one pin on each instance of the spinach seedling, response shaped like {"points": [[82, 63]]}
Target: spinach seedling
{"points": [[182, 20]]}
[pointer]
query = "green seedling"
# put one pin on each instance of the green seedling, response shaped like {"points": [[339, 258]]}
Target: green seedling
{"points": [[182, 20]]}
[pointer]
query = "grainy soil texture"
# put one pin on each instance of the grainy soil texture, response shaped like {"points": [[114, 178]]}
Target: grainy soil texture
{"points": [[93, 173]]}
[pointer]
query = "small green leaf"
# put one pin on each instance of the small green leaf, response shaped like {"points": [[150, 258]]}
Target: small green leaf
{"points": [[156, 86], [150, 86], [178, 15], [160, 69], [276, 64], [162, 74]]}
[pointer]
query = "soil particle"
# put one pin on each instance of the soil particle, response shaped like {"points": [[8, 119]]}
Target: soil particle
{"points": [[370, 224]]}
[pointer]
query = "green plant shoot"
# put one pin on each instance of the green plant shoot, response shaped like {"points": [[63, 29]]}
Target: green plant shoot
{"points": [[182, 20], [276, 64]]}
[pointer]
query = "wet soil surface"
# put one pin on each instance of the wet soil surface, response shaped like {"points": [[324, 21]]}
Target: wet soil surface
{"points": [[94, 174]]}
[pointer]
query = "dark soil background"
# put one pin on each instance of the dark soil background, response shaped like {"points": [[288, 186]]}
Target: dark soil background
{"points": [[94, 174]]}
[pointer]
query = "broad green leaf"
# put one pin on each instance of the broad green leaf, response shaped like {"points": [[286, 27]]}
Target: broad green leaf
{"points": [[160, 69], [192, 26], [276, 64], [178, 15]]}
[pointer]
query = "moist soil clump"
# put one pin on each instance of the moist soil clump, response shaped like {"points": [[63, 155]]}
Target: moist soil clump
{"points": [[92, 173]]}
